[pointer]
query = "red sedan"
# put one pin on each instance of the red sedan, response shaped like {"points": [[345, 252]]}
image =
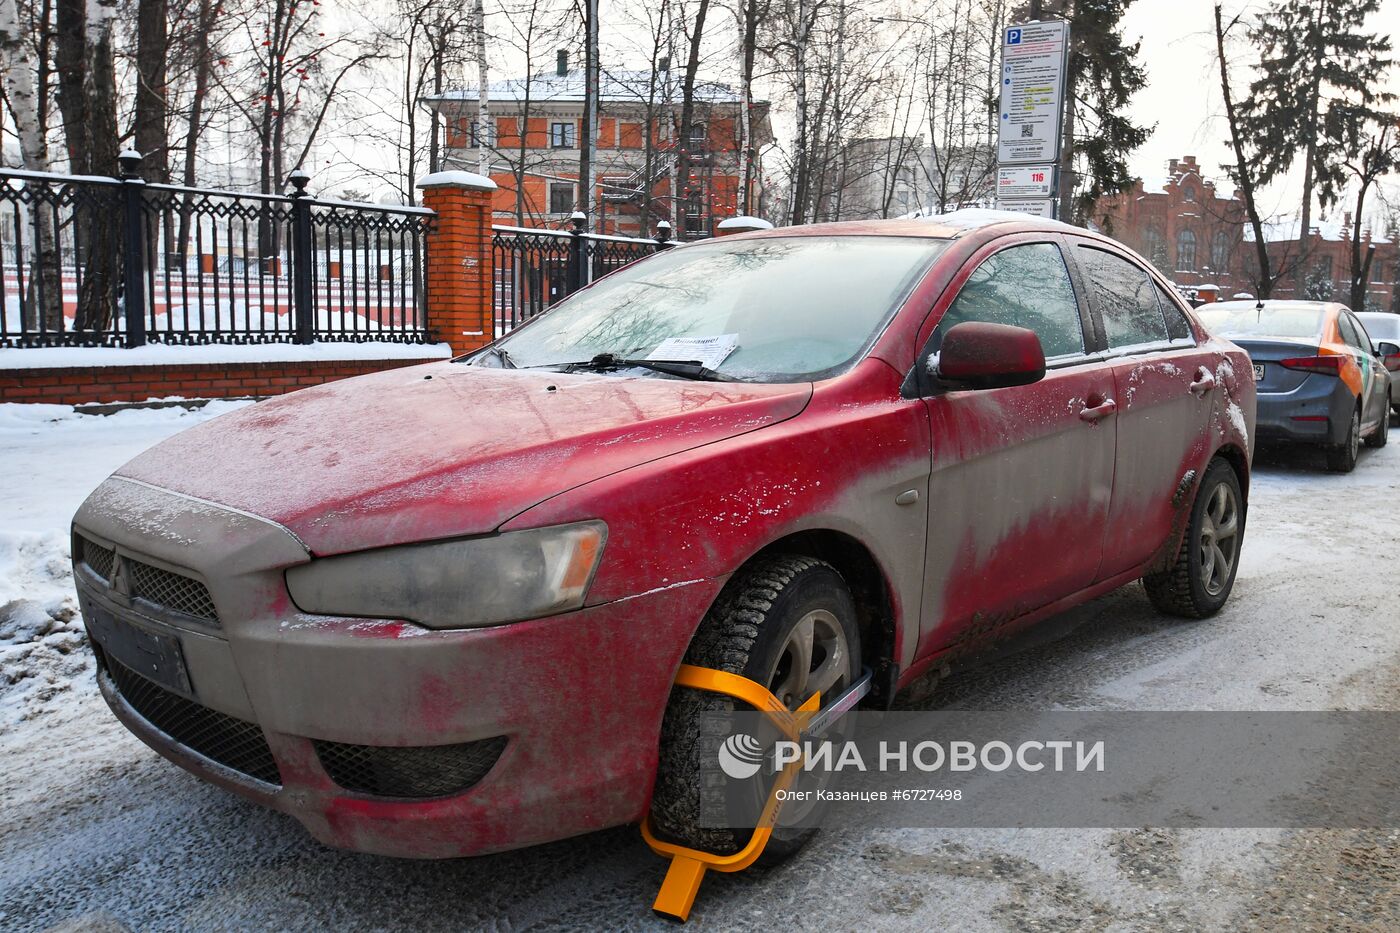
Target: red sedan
{"points": [[437, 611]]}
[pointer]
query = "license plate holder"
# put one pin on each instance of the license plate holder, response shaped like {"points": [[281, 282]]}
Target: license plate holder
{"points": [[1258, 372], [153, 655]]}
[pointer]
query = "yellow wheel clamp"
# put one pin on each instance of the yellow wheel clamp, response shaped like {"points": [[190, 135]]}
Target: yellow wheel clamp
{"points": [[688, 866]]}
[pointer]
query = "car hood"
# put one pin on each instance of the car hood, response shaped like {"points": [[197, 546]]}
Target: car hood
{"points": [[444, 449]]}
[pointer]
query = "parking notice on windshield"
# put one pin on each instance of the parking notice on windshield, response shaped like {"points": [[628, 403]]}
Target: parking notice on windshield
{"points": [[708, 351]]}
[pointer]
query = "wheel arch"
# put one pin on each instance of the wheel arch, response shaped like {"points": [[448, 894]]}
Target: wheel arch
{"points": [[1238, 460], [870, 591]]}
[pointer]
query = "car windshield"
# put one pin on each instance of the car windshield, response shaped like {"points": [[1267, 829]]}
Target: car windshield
{"points": [[773, 309], [1253, 321], [1382, 326]]}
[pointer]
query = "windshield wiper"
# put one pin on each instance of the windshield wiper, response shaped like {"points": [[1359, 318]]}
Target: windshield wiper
{"points": [[686, 369]]}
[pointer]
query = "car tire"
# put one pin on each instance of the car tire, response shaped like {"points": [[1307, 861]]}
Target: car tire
{"points": [[1195, 587], [1381, 435], [748, 632], [1342, 457]]}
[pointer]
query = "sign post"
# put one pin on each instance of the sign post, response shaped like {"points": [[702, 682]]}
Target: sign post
{"points": [[1033, 64]]}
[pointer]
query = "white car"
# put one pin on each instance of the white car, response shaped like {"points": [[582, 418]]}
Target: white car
{"points": [[1384, 330]]}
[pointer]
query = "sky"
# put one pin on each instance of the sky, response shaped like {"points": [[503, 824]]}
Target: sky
{"points": [[1183, 92]]}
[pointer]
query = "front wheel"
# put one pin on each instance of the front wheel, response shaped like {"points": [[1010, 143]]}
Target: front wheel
{"points": [[787, 622], [1199, 582]]}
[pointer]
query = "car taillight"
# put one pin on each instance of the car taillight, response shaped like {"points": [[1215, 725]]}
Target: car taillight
{"points": [[1329, 365]]}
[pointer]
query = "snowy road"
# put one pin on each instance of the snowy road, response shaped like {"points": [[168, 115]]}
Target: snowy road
{"points": [[97, 832]]}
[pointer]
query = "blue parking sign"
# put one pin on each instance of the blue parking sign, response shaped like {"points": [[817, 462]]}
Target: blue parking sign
{"points": [[1013, 37]]}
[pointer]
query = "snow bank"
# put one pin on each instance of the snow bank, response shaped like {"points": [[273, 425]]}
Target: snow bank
{"points": [[159, 354], [53, 457]]}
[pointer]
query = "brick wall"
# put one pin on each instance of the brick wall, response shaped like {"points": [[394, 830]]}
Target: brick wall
{"points": [[80, 385]]}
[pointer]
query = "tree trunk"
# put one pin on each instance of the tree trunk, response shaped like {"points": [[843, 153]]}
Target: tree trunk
{"points": [[485, 136], [1310, 150], [1066, 178], [692, 67], [203, 73], [749, 48], [97, 294], [45, 291], [1265, 283], [152, 53]]}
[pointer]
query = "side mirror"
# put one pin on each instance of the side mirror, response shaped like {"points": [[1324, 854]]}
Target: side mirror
{"points": [[979, 355], [1389, 354]]}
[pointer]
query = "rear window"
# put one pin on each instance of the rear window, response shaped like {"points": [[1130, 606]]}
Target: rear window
{"points": [[1262, 322], [1382, 326]]}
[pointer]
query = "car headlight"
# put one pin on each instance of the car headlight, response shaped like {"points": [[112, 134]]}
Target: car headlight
{"points": [[457, 584]]}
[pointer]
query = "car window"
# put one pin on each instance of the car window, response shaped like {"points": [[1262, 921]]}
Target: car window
{"points": [[1253, 320], [1351, 334], [1024, 286], [1125, 297], [1384, 327], [1178, 328]]}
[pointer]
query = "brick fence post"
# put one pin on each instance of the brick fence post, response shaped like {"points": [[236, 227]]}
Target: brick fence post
{"points": [[459, 261]]}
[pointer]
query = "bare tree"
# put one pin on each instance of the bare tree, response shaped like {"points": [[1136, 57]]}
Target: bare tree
{"points": [[22, 95]]}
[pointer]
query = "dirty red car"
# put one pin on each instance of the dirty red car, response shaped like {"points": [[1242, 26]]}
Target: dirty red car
{"points": [[437, 611]]}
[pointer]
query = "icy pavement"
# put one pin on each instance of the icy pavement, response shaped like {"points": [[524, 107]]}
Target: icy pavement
{"points": [[97, 832]]}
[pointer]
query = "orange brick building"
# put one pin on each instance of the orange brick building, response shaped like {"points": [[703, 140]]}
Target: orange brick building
{"points": [[636, 160], [1199, 237]]}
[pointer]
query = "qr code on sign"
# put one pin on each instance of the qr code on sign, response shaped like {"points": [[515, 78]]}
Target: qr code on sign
{"points": [[1027, 131]]}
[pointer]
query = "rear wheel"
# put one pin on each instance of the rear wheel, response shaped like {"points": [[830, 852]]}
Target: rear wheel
{"points": [[787, 622], [1381, 435], [1342, 458], [1199, 581]]}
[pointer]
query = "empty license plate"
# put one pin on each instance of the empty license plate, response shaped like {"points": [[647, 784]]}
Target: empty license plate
{"points": [[154, 656]]}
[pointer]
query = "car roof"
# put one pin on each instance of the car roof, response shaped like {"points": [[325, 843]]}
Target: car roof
{"points": [[949, 226], [1272, 304]]}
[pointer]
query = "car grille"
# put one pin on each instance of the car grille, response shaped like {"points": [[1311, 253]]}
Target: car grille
{"points": [[231, 742], [98, 558], [413, 772], [163, 588]]}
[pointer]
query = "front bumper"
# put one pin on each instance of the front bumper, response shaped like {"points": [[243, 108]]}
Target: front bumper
{"points": [[572, 703], [1318, 411]]}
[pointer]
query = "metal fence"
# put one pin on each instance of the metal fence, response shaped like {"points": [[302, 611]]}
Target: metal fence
{"points": [[536, 268], [95, 261]]}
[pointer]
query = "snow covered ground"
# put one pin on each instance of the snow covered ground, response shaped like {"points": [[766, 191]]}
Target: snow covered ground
{"points": [[52, 457], [99, 833]]}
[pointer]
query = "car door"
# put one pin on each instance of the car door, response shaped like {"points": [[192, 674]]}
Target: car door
{"points": [[1374, 377], [1022, 476], [1165, 386]]}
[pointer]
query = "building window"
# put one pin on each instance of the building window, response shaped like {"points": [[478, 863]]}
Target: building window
{"points": [[561, 197], [1220, 251], [563, 135], [475, 131], [1189, 192], [1155, 247], [1186, 251]]}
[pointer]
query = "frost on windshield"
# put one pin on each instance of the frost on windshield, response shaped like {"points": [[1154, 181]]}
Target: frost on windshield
{"points": [[793, 305]]}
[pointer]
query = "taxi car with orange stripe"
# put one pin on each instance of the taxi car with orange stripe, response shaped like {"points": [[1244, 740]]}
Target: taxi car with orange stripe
{"points": [[1318, 377]]}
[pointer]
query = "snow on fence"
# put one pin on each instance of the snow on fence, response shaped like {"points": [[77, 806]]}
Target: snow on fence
{"points": [[98, 261]]}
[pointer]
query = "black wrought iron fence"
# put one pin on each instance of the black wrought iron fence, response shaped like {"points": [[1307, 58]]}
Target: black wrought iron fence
{"points": [[536, 268], [92, 261]]}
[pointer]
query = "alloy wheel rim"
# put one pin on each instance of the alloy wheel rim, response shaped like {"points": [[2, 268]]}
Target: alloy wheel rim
{"points": [[815, 657], [1355, 440], [1219, 538]]}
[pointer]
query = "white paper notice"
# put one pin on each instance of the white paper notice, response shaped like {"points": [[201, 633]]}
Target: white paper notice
{"points": [[709, 351]]}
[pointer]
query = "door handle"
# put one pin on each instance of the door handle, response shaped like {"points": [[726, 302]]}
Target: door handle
{"points": [[1204, 382], [1098, 412]]}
